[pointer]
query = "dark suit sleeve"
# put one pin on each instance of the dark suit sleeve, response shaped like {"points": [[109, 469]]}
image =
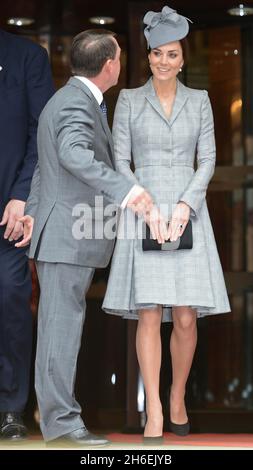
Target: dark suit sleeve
{"points": [[39, 88]]}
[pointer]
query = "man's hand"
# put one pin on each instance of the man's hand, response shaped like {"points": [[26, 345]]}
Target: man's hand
{"points": [[144, 206], [27, 222], [12, 213], [141, 204], [179, 221]]}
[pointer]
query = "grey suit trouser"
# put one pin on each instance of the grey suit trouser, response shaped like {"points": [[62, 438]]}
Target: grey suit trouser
{"points": [[60, 324]]}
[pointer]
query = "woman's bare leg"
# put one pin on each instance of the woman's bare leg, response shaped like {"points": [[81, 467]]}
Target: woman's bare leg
{"points": [[182, 346], [148, 347]]}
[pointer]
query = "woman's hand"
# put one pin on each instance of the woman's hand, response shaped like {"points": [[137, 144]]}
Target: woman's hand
{"points": [[158, 225], [179, 220]]}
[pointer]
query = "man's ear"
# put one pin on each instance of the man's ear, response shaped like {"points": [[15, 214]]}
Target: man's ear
{"points": [[107, 66]]}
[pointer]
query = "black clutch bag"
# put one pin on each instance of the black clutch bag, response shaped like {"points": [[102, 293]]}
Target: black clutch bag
{"points": [[182, 243]]}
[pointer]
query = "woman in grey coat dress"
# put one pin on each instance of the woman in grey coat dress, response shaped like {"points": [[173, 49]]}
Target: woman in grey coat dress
{"points": [[163, 124]]}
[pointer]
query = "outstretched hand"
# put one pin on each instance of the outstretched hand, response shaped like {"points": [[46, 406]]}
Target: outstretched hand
{"points": [[143, 205]]}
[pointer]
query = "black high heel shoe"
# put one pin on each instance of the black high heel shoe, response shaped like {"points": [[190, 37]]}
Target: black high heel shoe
{"points": [[180, 429], [152, 441]]}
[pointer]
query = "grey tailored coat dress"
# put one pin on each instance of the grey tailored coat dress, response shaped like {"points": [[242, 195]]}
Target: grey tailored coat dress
{"points": [[75, 171], [164, 152]]}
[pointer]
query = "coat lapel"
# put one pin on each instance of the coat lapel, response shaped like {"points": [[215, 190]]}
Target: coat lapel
{"points": [[180, 100], [74, 81]]}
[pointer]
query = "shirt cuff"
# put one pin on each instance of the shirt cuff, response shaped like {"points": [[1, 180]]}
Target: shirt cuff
{"points": [[134, 192]]}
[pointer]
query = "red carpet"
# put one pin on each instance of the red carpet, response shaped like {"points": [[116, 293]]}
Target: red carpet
{"points": [[212, 440], [119, 440]]}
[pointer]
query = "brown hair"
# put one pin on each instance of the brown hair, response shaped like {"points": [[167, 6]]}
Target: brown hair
{"points": [[185, 49], [90, 50]]}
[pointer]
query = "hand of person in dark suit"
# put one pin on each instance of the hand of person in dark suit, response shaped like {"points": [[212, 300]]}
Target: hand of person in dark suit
{"points": [[12, 213], [28, 222]]}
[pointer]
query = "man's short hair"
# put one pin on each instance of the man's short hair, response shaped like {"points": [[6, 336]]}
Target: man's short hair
{"points": [[90, 50]]}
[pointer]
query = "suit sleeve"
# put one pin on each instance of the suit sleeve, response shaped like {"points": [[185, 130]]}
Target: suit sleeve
{"points": [[33, 198], [122, 137], [75, 132], [195, 193], [39, 88]]}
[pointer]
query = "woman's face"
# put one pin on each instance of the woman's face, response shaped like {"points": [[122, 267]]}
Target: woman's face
{"points": [[165, 61]]}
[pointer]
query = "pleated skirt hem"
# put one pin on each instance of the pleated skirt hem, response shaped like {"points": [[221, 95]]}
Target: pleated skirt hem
{"points": [[133, 314]]}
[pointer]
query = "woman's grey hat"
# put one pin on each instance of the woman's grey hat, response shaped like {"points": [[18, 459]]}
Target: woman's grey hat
{"points": [[165, 26]]}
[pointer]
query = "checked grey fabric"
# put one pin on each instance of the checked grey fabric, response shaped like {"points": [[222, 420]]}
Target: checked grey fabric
{"points": [[164, 152], [76, 163]]}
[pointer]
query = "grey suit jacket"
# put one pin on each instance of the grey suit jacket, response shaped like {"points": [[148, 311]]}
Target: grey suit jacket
{"points": [[75, 164]]}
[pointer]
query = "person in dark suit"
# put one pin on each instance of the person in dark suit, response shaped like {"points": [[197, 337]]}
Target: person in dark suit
{"points": [[25, 87]]}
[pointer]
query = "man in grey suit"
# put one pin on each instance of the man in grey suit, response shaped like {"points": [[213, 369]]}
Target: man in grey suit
{"points": [[76, 165]]}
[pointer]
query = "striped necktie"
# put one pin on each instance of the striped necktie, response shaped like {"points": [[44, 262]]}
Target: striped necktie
{"points": [[103, 108]]}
